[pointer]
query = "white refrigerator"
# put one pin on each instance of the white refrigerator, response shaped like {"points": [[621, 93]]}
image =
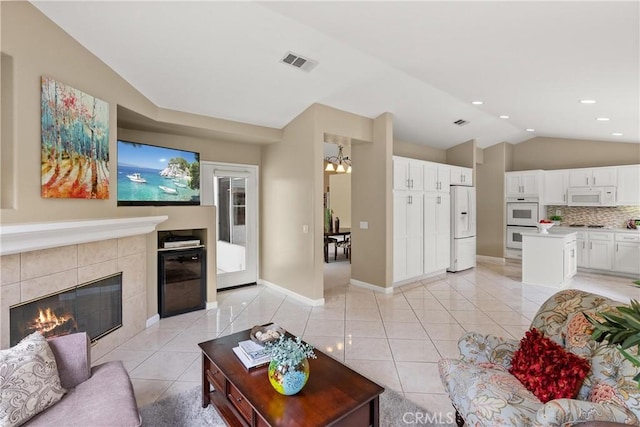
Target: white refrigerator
{"points": [[463, 228]]}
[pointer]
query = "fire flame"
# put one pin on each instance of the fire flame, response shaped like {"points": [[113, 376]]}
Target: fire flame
{"points": [[47, 320]]}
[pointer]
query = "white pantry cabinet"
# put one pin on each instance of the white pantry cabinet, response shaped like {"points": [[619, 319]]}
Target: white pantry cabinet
{"points": [[436, 177], [407, 174], [555, 187], [589, 177], [523, 184], [628, 191], [461, 176], [437, 225], [626, 257], [407, 234]]}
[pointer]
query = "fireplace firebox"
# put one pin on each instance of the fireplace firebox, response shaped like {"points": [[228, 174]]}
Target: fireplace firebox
{"points": [[94, 307]]}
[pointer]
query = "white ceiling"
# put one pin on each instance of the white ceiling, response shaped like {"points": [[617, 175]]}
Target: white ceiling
{"points": [[422, 61]]}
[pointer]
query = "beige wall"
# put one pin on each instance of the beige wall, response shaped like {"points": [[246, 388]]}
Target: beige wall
{"points": [[462, 154], [288, 187], [371, 201], [490, 201], [340, 198], [34, 47], [419, 151], [558, 153]]}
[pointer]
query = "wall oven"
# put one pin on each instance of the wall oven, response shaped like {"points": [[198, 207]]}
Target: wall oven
{"points": [[522, 213], [514, 236]]}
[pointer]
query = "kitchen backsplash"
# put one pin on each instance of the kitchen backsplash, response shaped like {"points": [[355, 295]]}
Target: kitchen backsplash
{"points": [[615, 217]]}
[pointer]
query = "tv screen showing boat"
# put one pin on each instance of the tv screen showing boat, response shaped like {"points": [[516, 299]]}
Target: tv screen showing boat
{"points": [[152, 175]]}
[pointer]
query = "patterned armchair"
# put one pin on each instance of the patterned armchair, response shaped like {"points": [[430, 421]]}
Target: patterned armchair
{"points": [[484, 393]]}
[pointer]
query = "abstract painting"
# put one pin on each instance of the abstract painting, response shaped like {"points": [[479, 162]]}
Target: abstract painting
{"points": [[75, 143]]}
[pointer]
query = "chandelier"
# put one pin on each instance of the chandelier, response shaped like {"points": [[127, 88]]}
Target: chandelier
{"points": [[342, 163]]}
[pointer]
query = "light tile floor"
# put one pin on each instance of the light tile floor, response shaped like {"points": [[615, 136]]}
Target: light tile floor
{"points": [[394, 339]]}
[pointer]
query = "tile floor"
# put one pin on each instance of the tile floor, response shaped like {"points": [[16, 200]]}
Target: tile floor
{"points": [[396, 340]]}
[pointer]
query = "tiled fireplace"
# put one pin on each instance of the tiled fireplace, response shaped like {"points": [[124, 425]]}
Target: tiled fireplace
{"points": [[30, 274]]}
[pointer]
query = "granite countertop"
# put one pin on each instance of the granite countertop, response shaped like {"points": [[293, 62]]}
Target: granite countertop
{"points": [[554, 232], [605, 229]]}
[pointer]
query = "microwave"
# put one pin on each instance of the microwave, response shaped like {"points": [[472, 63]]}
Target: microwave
{"points": [[522, 213], [591, 196]]}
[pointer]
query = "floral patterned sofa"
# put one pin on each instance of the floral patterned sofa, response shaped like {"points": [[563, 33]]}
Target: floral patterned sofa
{"points": [[484, 393]]}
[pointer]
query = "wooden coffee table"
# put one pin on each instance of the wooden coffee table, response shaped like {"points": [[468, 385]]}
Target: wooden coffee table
{"points": [[335, 395]]}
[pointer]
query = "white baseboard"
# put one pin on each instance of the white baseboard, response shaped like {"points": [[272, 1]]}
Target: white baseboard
{"points": [[371, 287], [315, 303], [212, 305], [153, 320], [431, 277], [490, 259]]}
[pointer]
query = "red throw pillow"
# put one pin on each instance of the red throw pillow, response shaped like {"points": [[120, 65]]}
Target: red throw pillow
{"points": [[546, 369]]}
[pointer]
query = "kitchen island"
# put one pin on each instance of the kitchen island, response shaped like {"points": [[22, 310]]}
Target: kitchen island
{"points": [[549, 259]]}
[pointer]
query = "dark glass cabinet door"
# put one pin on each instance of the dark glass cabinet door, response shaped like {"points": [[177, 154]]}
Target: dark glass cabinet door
{"points": [[181, 281]]}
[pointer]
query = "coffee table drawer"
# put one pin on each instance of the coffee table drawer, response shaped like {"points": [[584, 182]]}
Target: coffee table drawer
{"points": [[216, 377], [240, 402]]}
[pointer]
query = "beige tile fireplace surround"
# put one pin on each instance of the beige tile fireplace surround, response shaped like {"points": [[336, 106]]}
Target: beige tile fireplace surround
{"points": [[112, 246]]}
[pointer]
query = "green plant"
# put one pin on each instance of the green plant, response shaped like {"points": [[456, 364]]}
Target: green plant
{"points": [[622, 330], [556, 218], [288, 351]]}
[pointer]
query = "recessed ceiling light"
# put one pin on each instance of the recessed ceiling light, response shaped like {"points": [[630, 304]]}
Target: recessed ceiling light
{"points": [[616, 134], [504, 117], [530, 130], [587, 101], [477, 102], [603, 119]]}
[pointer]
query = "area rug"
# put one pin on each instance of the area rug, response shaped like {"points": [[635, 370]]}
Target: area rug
{"points": [[185, 410]]}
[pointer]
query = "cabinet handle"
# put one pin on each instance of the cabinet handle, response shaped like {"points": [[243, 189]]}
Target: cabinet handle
{"points": [[617, 247], [412, 183], [438, 199], [408, 183], [587, 178], [590, 245], [594, 180], [564, 197]]}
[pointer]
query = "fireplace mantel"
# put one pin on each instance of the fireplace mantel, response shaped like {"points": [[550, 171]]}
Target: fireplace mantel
{"points": [[27, 237]]}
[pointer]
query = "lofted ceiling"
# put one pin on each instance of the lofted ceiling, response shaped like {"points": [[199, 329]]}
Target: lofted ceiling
{"points": [[424, 62]]}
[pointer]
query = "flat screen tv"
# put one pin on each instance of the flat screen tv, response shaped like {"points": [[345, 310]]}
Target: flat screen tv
{"points": [[157, 176]]}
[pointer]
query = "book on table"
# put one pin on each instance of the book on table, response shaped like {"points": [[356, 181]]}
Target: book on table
{"points": [[251, 354]]}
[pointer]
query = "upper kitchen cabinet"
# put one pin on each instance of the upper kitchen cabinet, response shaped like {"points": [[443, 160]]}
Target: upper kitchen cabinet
{"points": [[523, 184], [628, 191], [555, 187], [461, 176], [593, 176], [407, 174], [436, 177]]}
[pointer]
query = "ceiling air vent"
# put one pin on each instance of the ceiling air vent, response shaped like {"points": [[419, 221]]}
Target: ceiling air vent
{"points": [[298, 61], [461, 122]]}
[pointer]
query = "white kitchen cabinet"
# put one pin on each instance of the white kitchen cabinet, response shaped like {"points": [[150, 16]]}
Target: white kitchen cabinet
{"points": [[582, 249], [570, 259], [407, 174], [548, 259], [523, 184], [436, 177], [437, 225], [600, 249], [407, 234], [555, 187], [589, 177], [628, 191], [626, 258], [461, 176]]}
